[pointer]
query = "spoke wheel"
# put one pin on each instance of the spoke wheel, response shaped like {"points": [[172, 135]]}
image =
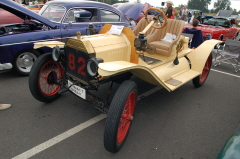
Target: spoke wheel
{"points": [[44, 77], [199, 80], [126, 117], [120, 116], [48, 77]]}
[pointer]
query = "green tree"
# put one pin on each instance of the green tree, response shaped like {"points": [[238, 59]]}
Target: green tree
{"points": [[199, 4], [212, 11], [234, 11], [221, 5]]}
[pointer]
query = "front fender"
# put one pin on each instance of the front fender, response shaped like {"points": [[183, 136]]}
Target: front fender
{"points": [[108, 69]]}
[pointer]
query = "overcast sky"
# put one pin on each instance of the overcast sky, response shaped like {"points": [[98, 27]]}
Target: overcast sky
{"points": [[234, 3]]}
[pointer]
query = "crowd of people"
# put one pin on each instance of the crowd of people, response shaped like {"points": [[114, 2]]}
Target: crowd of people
{"points": [[32, 2], [170, 13]]}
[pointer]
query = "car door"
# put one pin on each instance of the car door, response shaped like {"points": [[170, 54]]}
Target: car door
{"points": [[78, 19], [110, 17]]}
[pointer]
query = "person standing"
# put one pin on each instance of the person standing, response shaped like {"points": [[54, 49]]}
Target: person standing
{"points": [[30, 3], [170, 10], [184, 13]]}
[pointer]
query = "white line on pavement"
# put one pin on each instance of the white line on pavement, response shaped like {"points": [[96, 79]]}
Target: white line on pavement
{"points": [[70, 132], [60, 137], [225, 73]]}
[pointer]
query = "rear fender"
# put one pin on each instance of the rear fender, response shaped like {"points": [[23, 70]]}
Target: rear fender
{"points": [[198, 57]]}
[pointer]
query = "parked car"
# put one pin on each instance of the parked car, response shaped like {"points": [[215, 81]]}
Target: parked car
{"points": [[9, 18], [233, 18], [217, 28], [36, 7], [85, 63], [137, 10], [193, 13], [57, 20], [231, 149], [237, 21]]}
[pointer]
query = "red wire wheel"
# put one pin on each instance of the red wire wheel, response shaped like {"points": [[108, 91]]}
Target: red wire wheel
{"points": [[43, 78], [126, 117], [120, 116], [50, 71], [199, 80]]}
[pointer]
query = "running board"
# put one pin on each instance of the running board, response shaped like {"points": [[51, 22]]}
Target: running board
{"points": [[178, 80]]}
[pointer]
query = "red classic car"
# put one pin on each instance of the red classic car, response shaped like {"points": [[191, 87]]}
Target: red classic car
{"points": [[218, 28], [9, 18]]}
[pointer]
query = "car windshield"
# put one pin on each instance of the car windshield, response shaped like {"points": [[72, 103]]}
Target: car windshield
{"points": [[52, 12], [217, 22]]}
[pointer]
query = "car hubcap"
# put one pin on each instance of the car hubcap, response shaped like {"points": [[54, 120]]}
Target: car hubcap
{"points": [[25, 61]]}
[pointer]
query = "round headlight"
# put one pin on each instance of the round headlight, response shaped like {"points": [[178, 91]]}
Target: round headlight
{"points": [[137, 42], [56, 52], [92, 67]]}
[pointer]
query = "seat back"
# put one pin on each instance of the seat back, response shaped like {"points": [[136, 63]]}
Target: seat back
{"points": [[141, 25], [229, 54], [232, 46], [173, 26], [197, 37], [154, 39]]}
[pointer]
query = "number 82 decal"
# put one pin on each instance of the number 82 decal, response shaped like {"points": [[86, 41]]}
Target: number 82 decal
{"points": [[72, 64]]}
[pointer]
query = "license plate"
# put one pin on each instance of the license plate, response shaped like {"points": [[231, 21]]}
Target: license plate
{"points": [[77, 90]]}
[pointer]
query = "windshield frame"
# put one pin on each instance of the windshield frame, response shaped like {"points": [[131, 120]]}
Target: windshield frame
{"points": [[46, 8], [216, 22]]}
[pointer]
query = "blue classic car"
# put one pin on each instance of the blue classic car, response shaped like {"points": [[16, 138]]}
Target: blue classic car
{"points": [[57, 20]]}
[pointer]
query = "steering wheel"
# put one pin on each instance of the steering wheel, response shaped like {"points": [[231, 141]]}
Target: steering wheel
{"points": [[157, 13]]}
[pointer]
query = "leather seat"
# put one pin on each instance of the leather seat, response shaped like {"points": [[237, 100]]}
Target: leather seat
{"points": [[141, 25], [162, 47]]}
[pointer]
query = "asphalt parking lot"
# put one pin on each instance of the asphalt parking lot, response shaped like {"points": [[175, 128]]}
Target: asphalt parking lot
{"points": [[188, 123]]}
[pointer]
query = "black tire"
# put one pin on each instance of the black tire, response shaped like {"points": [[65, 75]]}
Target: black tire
{"points": [[120, 112], [199, 80], [23, 61], [43, 75]]}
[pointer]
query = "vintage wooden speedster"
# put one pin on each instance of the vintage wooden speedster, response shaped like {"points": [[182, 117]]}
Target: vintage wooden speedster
{"points": [[84, 63]]}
